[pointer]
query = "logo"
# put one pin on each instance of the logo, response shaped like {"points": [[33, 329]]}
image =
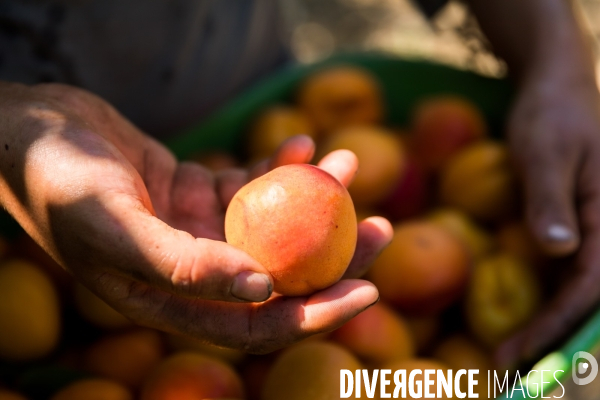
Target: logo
{"points": [[581, 368]]}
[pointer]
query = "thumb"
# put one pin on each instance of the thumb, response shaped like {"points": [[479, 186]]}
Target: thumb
{"points": [[549, 198], [132, 242]]}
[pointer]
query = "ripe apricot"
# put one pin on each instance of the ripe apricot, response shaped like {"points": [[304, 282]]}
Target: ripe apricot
{"points": [[125, 357], [309, 370], [299, 222], [444, 125], [376, 335], [410, 195], [186, 343], [339, 97], [502, 295], [381, 160], [461, 352], [422, 364], [10, 395], [478, 241], [423, 269], [29, 312], [480, 182], [191, 376], [93, 389], [95, 310], [274, 126]]}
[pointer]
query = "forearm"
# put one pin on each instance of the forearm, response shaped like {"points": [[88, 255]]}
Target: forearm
{"points": [[538, 38]]}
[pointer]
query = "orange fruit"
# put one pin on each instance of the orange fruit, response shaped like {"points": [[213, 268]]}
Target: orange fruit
{"points": [[480, 182], [381, 161], [376, 335], [423, 270], [339, 97], [93, 389], [274, 126], [29, 312], [442, 126], [297, 221], [191, 376], [309, 370], [125, 357]]}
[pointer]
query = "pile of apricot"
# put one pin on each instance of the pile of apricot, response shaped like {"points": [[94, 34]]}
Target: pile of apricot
{"points": [[461, 275]]}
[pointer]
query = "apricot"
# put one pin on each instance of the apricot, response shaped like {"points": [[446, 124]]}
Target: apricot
{"points": [[29, 312], [381, 160], [410, 195], [422, 364], [309, 371], [186, 343], [423, 270], [339, 97], [10, 395], [191, 376], [274, 126], [376, 335], [480, 182], [93, 309], [299, 222], [93, 389], [444, 125], [125, 357], [516, 239], [461, 352], [476, 239], [502, 295]]}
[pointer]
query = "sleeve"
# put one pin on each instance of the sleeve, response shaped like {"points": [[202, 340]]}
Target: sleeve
{"points": [[430, 7]]}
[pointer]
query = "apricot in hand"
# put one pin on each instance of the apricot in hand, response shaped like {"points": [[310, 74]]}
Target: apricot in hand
{"points": [[299, 222]]}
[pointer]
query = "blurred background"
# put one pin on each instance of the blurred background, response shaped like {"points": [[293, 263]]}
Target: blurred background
{"points": [[319, 28]]}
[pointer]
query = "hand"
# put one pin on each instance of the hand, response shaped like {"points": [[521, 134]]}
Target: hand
{"points": [[145, 233], [555, 139]]}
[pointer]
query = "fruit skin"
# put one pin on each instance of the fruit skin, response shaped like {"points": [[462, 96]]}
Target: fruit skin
{"points": [[191, 376], [417, 363], [93, 389], [423, 270], [478, 241], [274, 126], [309, 371], [95, 310], [503, 294], [376, 335], [444, 125], [299, 223], [125, 357], [29, 312], [461, 352], [339, 97], [410, 195], [480, 182], [381, 161]]}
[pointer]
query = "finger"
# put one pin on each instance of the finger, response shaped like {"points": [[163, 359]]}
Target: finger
{"points": [[574, 300], [374, 234], [295, 150], [229, 182], [342, 164], [255, 328], [549, 196]]}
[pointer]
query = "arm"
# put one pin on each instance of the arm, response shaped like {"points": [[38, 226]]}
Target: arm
{"points": [[554, 133]]}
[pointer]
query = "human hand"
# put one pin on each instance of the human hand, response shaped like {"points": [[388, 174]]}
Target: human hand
{"points": [[554, 134], [145, 233]]}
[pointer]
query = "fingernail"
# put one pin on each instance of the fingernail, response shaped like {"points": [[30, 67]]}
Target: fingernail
{"points": [[559, 233], [251, 286]]}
